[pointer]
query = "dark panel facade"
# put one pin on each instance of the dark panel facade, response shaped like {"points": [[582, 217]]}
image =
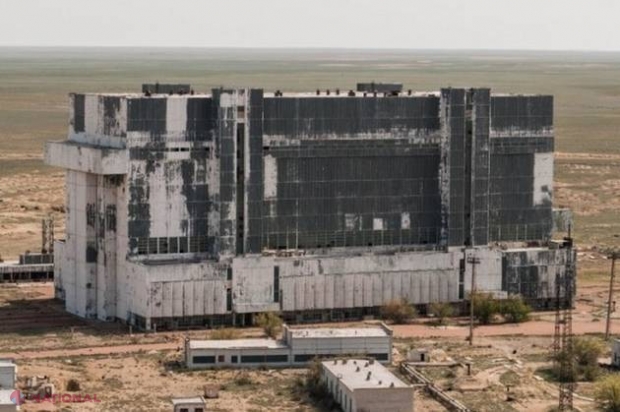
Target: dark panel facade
{"points": [[78, 113], [522, 113], [353, 193], [255, 187], [453, 155], [480, 166], [322, 117]]}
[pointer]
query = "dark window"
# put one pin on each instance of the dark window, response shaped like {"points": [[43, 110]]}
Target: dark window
{"points": [[182, 245], [91, 253], [163, 245], [229, 274], [234, 359], [203, 359], [461, 291], [142, 246], [152, 245], [184, 410], [379, 356], [228, 300], [110, 217], [198, 410], [221, 358], [304, 358], [276, 358], [173, 245], [253, 359], [276, 284]]}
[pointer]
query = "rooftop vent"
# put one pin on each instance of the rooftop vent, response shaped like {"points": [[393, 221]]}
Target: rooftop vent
{"points": [[165, 88], [380, 87]]}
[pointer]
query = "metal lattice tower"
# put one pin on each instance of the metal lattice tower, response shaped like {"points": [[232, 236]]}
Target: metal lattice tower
{"points": [[563, 336]]}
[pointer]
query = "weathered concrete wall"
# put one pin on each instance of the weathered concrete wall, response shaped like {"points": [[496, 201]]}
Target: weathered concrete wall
{"points": [[384, 400], [88, 159]]}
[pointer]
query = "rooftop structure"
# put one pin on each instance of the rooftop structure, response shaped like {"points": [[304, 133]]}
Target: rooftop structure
{"points": [[189, 404], [359, 384], [203, 209]]}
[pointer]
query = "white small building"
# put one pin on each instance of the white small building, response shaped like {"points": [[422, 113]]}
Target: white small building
{"points": [[297, 347], [6, 403], [362, 385], [236, 352], [8, 372], [193, 404]]}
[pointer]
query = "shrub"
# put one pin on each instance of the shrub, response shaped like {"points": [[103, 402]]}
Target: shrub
{"points": [[441, 311], [224, 334], [608, 394], [485, 307], [73, 385], [270, 323], [243, 379], [515, 310], [398, 311], [584, 360], [586, 352]]}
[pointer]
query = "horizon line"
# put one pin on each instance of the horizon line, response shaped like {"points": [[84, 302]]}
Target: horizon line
{"points": [[305, 48]]}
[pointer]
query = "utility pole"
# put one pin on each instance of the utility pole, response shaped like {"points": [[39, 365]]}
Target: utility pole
{"points": [[613, 256], [472, 296]]}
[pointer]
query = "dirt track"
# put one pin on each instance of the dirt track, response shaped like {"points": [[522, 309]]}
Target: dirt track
{"points": [[102, 350]]}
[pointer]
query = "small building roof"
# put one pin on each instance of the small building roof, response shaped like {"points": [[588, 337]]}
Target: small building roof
{"points": [[374, 332], [193, 399], [7, 363], [5, 396], [362, 374], [237, 344]]}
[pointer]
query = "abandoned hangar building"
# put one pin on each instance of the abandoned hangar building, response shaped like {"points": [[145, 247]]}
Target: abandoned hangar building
{"points": [[189, 209]]}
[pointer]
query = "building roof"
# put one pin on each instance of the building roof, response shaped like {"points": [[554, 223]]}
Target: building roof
{"points": [[6, 363], [193, 399], [5, 396], [237, 344], [338, 332], [354, 374]]}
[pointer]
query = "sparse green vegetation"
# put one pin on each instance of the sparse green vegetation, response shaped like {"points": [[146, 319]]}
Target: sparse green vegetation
{"points": [[514, 310], [608, 394], [270, 323], [398, 311], [224, 334], [441, 311], [485, 307]]}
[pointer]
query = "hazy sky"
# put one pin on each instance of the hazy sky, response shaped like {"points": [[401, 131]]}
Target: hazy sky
{"points": [[415, 24]]}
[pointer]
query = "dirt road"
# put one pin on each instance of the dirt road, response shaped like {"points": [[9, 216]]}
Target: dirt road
{"points": [[101, 350]]}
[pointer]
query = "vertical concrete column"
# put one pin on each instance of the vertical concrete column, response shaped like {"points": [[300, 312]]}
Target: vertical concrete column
{"points": [[225, 105], [107, 224], [85, 214]]}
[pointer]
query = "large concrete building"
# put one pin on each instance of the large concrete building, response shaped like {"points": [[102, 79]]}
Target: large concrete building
{"points": [[202, 209]]}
